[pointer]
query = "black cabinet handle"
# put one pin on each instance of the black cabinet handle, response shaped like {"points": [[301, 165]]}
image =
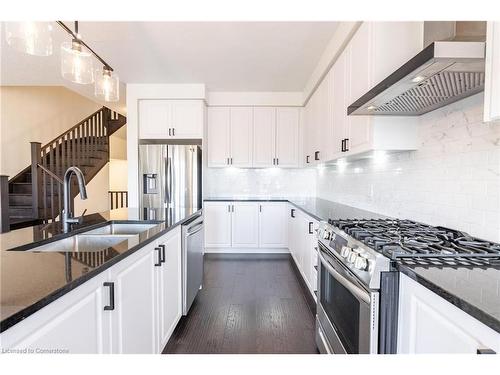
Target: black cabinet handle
{"points": [[260, 208], [277, 161], [111, 287], [347, 144], [274, 161], [173, 132], [162, 257], [316, 155], [485, 351], [169, 132], [292, 212], [310, 227], [159, 257], [307, 159], [342, 148]]}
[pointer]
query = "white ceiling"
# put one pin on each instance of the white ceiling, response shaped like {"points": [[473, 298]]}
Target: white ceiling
{"points": [[226, 56]]}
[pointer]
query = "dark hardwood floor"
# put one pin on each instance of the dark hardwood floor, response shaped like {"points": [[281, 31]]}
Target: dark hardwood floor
{"points": [[248, 304]]}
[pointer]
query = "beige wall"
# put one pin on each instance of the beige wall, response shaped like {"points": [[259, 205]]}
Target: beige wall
{"points": [[118, 166], [35, 113], [97, 194], [118, 175]]}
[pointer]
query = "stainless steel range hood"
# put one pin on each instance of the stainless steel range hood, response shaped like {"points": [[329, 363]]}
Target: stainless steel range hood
{"points": [[444, 72]]}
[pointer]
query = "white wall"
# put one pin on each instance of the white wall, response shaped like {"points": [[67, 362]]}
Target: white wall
{"points": [[266, 182], [453, 179]]}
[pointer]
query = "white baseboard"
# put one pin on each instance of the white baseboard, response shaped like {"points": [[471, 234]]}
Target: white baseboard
{"points": [[246, 250]]}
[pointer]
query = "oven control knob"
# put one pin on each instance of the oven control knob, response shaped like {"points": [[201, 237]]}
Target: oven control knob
{"points": [[327, 235], [352, 257], [345, 251], [361, 263]]}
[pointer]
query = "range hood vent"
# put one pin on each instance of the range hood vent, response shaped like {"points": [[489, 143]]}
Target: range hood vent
{"points": [[444, 72]]}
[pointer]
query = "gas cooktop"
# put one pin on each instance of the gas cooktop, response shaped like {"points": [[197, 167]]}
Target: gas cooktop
{"points": [[415, 243]]}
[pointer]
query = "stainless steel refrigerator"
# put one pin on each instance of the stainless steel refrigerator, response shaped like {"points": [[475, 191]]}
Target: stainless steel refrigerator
{"points": [[170, 176]]}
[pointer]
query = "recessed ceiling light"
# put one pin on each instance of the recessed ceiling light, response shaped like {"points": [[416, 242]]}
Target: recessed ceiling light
{"points": [[371, 107], [418, 79]]}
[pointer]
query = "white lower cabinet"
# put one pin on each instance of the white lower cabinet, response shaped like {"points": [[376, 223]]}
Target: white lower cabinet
{"points": [[302, 245], [245, 224], [131, 308], [75, 323], [133, 318], [273, 226], [217, 220], [169, 288], [238, 225], [428, 323]]}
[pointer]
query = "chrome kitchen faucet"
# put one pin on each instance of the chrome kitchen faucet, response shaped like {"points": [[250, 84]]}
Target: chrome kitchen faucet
{"points": [[66, 215]]}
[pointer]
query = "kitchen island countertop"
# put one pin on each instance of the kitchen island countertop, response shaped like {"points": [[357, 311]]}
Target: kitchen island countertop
{"points": [[31, 280]]}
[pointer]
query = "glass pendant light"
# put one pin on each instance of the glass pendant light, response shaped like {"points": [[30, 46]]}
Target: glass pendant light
{"points": [[76, 63], [107, 85], [33, 38]]}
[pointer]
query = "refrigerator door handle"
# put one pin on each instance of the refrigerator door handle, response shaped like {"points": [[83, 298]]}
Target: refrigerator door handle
{"points": [[170, 178], [167, 182]]}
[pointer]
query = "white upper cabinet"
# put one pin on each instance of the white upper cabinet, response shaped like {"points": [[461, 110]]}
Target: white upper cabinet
{"points": [[176, 119], [287, 137], [219, 130], [154, 119], [253, 136], [359, 55], [264, 136], [366, 61], [339, 105], [241, 136], [492, 78], [187, 119], [360, 62]]}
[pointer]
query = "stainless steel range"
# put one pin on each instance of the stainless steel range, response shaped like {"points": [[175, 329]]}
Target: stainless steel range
{"points": [[356, 288]]}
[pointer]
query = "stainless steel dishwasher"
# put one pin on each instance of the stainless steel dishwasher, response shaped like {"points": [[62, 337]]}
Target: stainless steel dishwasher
{"points": [[192, 261]]}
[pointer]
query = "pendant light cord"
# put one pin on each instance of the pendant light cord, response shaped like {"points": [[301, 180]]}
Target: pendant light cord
{"points": [[74, 35]]}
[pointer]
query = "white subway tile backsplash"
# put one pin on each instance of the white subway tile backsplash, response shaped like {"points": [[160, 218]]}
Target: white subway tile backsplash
{"points": [[265, 182], [452, 180]]}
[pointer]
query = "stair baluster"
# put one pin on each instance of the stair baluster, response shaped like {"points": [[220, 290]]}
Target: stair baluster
{"points": [[85, 145]]}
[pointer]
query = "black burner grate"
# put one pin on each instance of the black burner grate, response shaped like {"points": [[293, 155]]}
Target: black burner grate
{"points": [[411, 242]]}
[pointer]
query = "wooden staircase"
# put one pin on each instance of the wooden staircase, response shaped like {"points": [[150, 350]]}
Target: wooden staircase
{"points": [[35, 195]]}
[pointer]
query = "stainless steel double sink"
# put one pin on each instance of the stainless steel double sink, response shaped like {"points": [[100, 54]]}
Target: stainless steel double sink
{"points": [[96, 239]]}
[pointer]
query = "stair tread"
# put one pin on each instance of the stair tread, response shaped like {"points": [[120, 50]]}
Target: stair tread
{"points": [[20, 219]]}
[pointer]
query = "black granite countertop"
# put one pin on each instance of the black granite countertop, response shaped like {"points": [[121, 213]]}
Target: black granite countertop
{"points": [[30, 280], [319, 209], [475, 290]]}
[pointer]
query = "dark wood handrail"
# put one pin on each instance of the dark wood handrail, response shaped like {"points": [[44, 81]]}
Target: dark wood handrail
{"points": [[74, 127], [49, 172]]}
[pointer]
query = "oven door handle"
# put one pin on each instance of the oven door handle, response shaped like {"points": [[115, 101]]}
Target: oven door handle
{"points": [[358, 292]]}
